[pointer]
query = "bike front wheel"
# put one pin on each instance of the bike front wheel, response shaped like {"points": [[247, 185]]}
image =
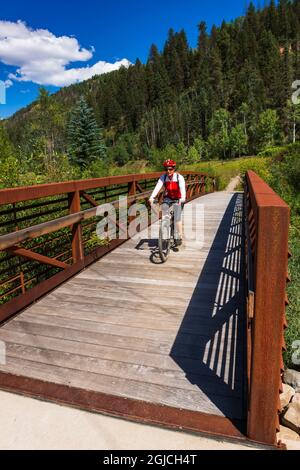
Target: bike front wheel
{"points": [[164, 241]]}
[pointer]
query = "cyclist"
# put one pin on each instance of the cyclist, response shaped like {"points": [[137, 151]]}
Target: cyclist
{"points": [[175, 194]]}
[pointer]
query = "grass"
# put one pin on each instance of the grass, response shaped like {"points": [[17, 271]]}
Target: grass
{"points": [[226, 170]]}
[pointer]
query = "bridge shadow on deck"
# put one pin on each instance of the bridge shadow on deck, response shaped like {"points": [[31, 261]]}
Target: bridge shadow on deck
{"points": [[209, 346]]}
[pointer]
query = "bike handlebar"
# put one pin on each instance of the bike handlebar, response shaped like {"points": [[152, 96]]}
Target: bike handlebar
{"points": [[176, 201]]}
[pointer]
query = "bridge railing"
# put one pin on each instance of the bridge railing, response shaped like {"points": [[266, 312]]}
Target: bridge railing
{"points": [[267, 229], [47, 232]]}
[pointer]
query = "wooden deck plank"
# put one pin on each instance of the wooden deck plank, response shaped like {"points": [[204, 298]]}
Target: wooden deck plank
{"points": [[186, 346], [121, 369], [188, 335], [129, 291], [138, 318], [164, 362], [158, 394], [110, 304]]}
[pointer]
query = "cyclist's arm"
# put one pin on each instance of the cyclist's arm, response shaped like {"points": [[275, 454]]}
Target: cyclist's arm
{"points": [[157, 189], [182, 187]]}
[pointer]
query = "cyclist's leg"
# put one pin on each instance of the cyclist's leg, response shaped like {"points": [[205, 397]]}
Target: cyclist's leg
{"points": [[165, 208], [164, 241], [178, 210]]}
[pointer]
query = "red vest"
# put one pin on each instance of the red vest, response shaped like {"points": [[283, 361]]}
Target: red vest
{"points": [[172, 188]]}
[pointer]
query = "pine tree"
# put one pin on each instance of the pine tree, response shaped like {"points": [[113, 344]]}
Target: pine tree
{"points": [[85, 140], [297, 56], [203, 98], [286, 77], [272, 18], [270, 66], [251, 20], [137, 93], [183, 51], [169, 46], [284, 21], [216, 79], [203, 39], [252, 87], [176, 58], [158, 80]]}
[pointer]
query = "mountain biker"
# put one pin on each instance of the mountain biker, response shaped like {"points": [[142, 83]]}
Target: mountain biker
{"points": [[175, 194]]}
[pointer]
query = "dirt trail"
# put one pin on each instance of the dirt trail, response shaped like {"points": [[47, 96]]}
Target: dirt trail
{"points": [[233, 184]]}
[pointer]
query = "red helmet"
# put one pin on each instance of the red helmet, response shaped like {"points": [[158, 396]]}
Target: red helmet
{"points": [[168, 163]]}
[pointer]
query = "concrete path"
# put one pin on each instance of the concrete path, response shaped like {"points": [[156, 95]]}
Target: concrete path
{"points": [[31, 424]]}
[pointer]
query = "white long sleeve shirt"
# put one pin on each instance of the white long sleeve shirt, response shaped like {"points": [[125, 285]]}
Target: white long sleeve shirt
{"points": [[164, 179]]}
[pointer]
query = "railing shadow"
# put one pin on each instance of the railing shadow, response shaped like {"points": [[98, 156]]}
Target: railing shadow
{"points": [[209, 346]]}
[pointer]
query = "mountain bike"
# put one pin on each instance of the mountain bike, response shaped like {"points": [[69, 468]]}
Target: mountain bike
{"points": [[166, 239]]}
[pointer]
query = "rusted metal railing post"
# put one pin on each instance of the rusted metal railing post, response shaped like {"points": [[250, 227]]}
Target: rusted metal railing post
{"points": [[77, 246], [204, 184], [19, 260], [272, 218], [131, 194], [188, 188]]}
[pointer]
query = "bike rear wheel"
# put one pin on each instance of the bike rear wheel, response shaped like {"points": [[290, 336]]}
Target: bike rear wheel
{"points": [[164, 241]]}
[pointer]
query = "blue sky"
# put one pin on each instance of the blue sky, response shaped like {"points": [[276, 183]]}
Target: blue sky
{"points": [[94, 31]]}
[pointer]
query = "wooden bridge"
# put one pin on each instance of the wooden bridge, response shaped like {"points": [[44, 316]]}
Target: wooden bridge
{"points": [[193, 344]]}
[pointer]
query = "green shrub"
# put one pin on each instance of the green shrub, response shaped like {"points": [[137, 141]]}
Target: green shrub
{"points": [[95, 242], [285, 180], [273, 152], [293, 311], [226, 170]]}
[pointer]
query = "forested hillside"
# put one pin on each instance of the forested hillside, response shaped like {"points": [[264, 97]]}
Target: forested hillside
{"points": [[228, 97]]}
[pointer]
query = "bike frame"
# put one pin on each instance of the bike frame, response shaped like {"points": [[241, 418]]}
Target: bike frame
{"points": [[167, 225]]}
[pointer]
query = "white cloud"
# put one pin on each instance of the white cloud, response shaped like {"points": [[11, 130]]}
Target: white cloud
{"points": [[43, 58]]}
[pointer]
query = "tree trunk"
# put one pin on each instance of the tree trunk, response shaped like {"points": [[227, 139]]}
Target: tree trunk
{"points": [[294, 132]]}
